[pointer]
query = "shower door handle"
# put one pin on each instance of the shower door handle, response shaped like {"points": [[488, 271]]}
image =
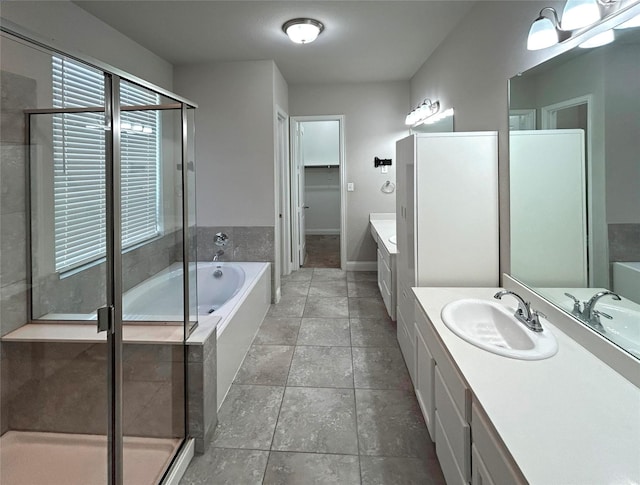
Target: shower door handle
{"points": [[105, 318]]}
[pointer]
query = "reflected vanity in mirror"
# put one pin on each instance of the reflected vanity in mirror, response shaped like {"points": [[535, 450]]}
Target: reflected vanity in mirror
{"points": [[575, 185]]}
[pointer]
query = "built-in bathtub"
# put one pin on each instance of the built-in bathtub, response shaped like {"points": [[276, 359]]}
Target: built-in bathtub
{"points": [[236, 316]]}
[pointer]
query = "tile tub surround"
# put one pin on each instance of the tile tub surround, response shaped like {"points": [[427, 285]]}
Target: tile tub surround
{"points": [[306, 406], [202, 387], [624, 242], [245, 243]]}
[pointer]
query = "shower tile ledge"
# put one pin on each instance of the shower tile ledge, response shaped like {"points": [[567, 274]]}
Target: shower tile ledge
{"points": [[69, 333]]}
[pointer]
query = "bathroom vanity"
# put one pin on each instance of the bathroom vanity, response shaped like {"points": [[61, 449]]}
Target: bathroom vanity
{"points": [[383, 231], [566, 419]]}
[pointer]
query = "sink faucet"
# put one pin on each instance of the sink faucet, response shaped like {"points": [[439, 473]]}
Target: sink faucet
{"points": [[216, 256], [591, 315], [524, 314]]}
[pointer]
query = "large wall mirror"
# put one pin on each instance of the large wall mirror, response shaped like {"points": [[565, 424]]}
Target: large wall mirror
{"points": [[575, 184]]}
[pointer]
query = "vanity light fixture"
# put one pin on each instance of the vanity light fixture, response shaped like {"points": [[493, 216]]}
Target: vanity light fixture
{"points": [[423, 112], [302, 30], [602, 38], [629, 24], [549, 30]]}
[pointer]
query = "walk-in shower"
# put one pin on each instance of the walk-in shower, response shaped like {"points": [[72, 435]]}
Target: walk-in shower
{"points": [[98, 196]]}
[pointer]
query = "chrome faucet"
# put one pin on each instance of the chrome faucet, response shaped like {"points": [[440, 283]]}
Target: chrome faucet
{"points": [[530, 318], [591, 315], [216, 257]]}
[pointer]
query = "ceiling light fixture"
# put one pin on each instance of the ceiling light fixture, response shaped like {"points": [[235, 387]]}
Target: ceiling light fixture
{"points": [[547, 31], [302, 30]]}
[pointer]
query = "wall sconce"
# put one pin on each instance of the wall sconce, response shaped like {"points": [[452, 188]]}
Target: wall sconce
{"points": [[422, 112], [549, 30]]}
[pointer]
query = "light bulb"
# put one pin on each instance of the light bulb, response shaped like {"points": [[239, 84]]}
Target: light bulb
{"points": [[579, 13], [542, 34], [602, 38]]}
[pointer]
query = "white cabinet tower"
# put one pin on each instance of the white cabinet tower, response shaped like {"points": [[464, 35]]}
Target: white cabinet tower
{"points": [[447, 218]]}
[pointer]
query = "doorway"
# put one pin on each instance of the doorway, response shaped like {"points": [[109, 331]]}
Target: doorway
{"points": [[576, 113], [317, 192]]}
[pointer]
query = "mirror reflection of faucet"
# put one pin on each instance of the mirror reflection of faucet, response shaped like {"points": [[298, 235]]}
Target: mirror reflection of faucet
{"points": [[586, 311]]}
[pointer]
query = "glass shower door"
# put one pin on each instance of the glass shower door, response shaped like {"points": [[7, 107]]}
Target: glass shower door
{"points": [[153, 282]]}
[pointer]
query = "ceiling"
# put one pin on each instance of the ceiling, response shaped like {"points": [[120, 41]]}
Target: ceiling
{"points": [[362, 41]]}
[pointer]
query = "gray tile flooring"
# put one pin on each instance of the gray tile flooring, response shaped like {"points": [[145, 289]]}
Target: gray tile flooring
{"points": [[323, 396]]}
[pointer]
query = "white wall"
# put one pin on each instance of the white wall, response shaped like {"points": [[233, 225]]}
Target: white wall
{"points": [[470, 71], [234, 140], [374, 120], [75, 30]]}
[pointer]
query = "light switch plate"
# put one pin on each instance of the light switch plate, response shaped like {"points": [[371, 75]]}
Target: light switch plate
{"points": [[384, 169], [350, 187]]}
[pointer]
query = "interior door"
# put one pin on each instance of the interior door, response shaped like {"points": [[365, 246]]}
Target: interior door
{"points": [[302, 249]]}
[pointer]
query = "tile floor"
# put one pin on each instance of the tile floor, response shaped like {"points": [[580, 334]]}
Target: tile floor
{"points": [[323, 395]]}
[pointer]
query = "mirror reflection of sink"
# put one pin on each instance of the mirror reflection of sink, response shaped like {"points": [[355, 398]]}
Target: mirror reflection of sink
{"points": [[622, 329], [392, 239], [492, 327]]}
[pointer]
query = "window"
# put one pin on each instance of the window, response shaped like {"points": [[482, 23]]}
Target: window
{"points": [[79, 153]]}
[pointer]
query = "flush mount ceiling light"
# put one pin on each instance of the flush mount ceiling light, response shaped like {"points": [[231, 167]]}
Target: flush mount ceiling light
{"points": [[302, 30]]}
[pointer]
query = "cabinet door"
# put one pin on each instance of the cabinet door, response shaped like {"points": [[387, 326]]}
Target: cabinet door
{"points": [[424, 382], [479, 473], [405, 151], [405, 339]]}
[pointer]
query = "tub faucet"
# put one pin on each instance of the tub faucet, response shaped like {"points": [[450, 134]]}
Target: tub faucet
{"points": [[216, 257], [523, 314], [591, 315]]}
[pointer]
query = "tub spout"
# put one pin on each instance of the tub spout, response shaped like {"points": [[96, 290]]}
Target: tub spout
{"points": [[216, 257]]}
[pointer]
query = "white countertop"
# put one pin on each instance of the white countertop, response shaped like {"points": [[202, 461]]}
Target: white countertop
{"points": [[569, 419], [384, 224]]}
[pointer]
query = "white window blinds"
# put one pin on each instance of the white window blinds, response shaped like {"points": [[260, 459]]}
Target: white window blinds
{"points": [[79, 166]]}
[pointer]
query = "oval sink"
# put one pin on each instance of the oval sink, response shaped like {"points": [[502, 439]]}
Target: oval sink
{"points": [[392, 239], [492, 327]]}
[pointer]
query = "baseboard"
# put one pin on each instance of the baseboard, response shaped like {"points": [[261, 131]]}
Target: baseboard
{"points": [[362, 265], [180, 465], [322, 232]]}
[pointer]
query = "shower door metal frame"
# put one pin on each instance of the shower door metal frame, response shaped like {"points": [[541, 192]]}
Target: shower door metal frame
{"points": [[112, 110]]}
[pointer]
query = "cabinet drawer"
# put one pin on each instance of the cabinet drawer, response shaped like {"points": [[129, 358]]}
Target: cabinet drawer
{"points": [[495, 457], [456, 428], [405, 339], [424, 383], [479, 473], [450, 470]]}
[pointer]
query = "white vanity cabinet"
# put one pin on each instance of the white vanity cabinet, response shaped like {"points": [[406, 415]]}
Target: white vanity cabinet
{"points": [[447, 219], [445, 401], [383, 228], [491, 463]]}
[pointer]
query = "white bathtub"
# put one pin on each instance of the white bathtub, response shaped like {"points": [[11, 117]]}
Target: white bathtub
{"points": [[237, 319], [626, 280]]}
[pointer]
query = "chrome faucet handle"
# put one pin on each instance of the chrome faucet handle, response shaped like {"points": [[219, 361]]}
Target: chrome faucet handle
{"points": [[535, 320], [598, 313], [576, 303], [221, 239]]}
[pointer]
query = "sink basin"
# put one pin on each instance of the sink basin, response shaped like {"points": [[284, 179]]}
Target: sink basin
{"points": [[392, 239], [492, 327]]}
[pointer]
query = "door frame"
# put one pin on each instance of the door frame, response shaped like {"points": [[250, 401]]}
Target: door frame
{"points": [[282, 197], [293, 188], [548, 115]]}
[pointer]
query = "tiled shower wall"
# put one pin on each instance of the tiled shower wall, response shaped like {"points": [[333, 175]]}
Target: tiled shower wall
{"points": [[17, 93], [85, 291], [62, 387]]}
